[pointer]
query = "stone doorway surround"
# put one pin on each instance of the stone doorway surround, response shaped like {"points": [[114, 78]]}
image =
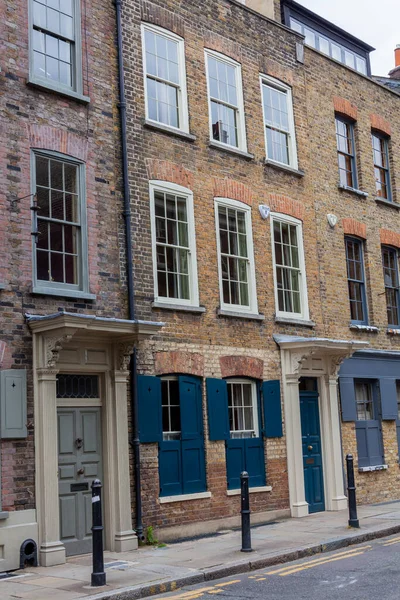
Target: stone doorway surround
{"points": [[77, 343], [320, 358]]}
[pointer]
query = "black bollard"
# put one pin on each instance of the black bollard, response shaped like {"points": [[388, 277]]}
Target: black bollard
{"points": [[245, 511], [98, 574], [351, 491]]}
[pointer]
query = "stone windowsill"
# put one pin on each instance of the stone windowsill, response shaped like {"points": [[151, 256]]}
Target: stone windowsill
{"points": [[184, 497], [240, 315], [230, 149], [3, 515], [254, 490], [366, 328], [43, 291], [374, 468], [54, 89], [179, 307], [387, 203], [347, 188], [282, 167], [393, 331], [289, 321], [169, 130]]}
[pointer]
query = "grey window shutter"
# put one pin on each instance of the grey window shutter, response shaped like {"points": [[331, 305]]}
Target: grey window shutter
{"points": [[348, 399], [388, 398], [13, 404]]}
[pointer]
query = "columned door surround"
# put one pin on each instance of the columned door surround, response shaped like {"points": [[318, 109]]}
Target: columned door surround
{"points": [[73, 343], [320, 358]]}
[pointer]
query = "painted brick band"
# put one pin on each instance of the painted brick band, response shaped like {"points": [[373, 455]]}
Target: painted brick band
{"points": [[380, 124], [190, 363], [164, 170], [162, 17], [58, 140], [216, 42], [229, 188], [286, 206], [390, 238], [345, 107], [241, 366], [353, 227]]}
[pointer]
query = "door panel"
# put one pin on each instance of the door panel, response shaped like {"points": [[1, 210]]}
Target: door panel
{"points": [[312, 451], [79, 462]]}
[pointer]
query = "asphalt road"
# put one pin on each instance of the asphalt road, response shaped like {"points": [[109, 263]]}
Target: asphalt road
{"points": [[364, 572]]}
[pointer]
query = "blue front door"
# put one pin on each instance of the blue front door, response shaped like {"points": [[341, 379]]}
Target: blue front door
{"points": [[311, 439]]}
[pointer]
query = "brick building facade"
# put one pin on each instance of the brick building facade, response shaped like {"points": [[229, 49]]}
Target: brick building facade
{"points": [[205, 338], [245, 252], [60, 175]]}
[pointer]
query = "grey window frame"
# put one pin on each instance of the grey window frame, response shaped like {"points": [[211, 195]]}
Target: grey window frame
{"points": [[76, 89], [360, 282], [395, 289], [385, 140], [80, 290], [350, 124]]}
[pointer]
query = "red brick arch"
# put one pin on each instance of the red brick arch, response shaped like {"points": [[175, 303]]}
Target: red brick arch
{"points": [[190, 363], [229, 188], [58, 140], [380, 124], [241, 366], [344, 107], [390, 238], [286, 206], [164, 170], [353, 227]]}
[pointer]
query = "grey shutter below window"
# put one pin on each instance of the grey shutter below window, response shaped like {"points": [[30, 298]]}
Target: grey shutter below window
{"points": [[388, 398], [348, 399], [13, 404]]}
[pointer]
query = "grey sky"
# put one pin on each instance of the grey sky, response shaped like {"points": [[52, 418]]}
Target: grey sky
{"points": [[373, 21]]}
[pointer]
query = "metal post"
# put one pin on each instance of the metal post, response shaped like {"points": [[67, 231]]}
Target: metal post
{"points": [[245, 511], [98, 574], [351, 491]]}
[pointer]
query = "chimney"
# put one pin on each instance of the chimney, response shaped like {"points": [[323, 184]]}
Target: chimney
{"points": [[395, 73], [264, 7]]}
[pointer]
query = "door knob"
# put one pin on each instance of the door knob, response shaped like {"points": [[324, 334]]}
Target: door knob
{"points": [[79, 443], [310, 447], [81, 471]]}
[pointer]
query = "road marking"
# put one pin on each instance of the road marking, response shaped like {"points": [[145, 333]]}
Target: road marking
{"points": [[396, 539], [261, 579], [215, 591], [303, 568], [227, 583], [322, 559], [191, 594], [391, 543]]}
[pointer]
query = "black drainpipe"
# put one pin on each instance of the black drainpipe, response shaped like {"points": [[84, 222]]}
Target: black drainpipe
{"points": [[129, 268]]}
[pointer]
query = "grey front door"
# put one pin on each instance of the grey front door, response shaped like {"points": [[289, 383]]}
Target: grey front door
{"points": [[79, 462]]}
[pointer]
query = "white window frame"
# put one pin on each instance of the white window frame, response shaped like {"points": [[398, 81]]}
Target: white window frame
{"points": [[182, 90], [304, 315], [254, 398], [253, 304], [80, 290], [292, 147], [165, 186], [76, 89], [241, 125]]}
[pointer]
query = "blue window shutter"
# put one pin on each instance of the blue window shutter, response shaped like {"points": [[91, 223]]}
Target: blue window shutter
{"points": [[170, 468], [192, 444], [369, 443], [348, 399], [191, 408], [398, 436], [149, 408], [255, 462], [271, 392], [13, 404], [235, 462], [217, 405], [388, 398]]}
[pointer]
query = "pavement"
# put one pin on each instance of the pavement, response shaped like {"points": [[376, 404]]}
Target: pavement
{"points": [[156, 570]]}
